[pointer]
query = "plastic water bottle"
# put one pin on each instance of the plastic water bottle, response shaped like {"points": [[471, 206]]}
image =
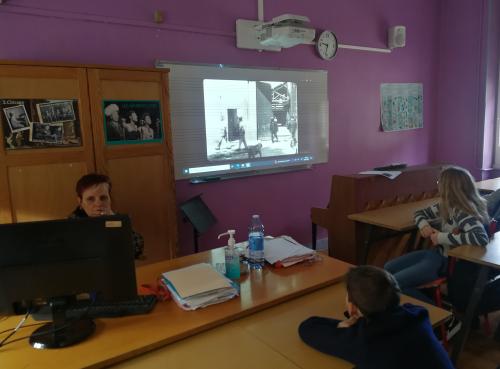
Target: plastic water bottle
{"points": [[256, 243]]}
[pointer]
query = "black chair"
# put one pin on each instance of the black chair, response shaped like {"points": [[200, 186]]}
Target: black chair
{"points": [[197, 213]]}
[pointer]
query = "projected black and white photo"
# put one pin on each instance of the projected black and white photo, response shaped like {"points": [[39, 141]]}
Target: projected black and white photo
{"points": [[250, 119]]}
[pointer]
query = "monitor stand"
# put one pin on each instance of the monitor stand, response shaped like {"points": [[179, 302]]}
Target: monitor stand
{"points": [[61, 332]]}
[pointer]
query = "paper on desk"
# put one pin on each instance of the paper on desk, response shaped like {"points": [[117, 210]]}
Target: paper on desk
{"points": [[204, 299], [196, 279], [391, 174], [286, 250]]}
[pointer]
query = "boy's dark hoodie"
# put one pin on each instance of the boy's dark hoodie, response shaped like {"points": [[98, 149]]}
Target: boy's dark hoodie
{"points": [[401, 338]]}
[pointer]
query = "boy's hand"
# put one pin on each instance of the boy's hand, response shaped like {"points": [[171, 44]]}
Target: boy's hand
{"points": [[426, 231], [434, 237], [348, 322]]}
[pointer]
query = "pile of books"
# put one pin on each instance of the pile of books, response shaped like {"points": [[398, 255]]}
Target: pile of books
{"points": [[199, 285]]}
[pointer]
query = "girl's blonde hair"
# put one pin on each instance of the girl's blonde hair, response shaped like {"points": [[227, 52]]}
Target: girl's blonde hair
{"points": [[458, 191]]}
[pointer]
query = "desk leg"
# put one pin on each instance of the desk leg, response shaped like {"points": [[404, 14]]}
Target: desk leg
{"points": [[469, 314], [314, 234], [366, 244], [412, 240]]}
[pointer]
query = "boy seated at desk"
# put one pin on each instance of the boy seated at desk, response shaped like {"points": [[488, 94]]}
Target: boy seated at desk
{"points": [[380, 332]]}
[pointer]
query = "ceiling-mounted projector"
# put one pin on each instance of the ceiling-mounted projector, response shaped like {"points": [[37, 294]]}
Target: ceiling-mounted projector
{"points": [[284, 31]]}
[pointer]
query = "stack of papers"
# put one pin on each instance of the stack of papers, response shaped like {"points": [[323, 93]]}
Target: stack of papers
{"points": [[391, 174], [285, 251], [199, 285]]}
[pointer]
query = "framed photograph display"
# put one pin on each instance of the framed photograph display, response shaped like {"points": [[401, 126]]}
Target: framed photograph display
{"points": [[131, 122], [39, 123]]}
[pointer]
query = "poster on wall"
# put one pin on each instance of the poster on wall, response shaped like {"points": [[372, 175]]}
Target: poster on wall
{"points": [[401, 106], [39, 123], [130, 122]]}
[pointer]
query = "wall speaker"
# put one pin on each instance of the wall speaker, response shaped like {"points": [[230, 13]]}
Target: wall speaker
{"points": [[397, 37]]}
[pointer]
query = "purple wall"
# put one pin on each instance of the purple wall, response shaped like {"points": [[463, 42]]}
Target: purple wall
{"points": [[122, 32], [463, 70]]}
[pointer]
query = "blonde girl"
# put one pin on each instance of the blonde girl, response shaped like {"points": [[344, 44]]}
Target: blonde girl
{"points": [[458, 219]]}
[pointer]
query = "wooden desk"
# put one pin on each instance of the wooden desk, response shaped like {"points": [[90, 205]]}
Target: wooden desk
{"points": [[488, 185], [399, 218], [267, 339], [120, 339], [487, 257]]}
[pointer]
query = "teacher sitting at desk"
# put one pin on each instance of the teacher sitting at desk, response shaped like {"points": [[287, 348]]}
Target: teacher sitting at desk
{"points": [[94, 199]]}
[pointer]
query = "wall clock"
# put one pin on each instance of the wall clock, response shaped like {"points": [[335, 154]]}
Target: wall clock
{"points": [[327, 45]]}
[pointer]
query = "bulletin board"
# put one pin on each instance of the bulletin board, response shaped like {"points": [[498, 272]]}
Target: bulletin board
{"points": [[39, 123]]}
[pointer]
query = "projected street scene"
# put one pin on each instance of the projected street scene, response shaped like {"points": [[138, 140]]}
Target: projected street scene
{"points": [[250, 119]]}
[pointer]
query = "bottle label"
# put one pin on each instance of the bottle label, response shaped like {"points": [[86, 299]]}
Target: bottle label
{"points": [[256, 243], [232, 266]]}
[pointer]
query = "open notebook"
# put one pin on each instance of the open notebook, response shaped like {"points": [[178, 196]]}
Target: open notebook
{"points": [[199, 285]]}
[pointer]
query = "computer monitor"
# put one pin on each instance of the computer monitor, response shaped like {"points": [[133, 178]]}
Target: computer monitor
{"points": [[50, 262]]}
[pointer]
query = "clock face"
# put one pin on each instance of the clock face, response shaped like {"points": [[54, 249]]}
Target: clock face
{"points": [[327, 45]]}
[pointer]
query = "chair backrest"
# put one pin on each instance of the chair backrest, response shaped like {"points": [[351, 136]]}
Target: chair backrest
{"points": [[491, 228]]}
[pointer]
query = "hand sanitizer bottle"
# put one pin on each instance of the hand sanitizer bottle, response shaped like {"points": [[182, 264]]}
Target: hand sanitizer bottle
{"points": [[232, 256]]}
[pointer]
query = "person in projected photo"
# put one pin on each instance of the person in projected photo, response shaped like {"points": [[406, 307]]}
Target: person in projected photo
{"points": [[223, 137], [292, 127], [94, 200], [274, 129], [241, 135]]}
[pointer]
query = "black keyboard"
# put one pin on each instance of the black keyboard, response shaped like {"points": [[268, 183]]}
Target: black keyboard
{"points": [[105, 309], [143, 304]]}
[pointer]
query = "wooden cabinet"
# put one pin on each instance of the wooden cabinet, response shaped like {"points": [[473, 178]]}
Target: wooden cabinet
{"points": [[38, 183]]}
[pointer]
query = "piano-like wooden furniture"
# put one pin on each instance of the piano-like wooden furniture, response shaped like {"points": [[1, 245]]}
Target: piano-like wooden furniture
{"points": [[358, 192]]}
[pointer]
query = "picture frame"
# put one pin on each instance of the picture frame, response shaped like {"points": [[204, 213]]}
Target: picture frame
{"points": [[46, 133], [17, 118], [56, 112], [132, 121]]}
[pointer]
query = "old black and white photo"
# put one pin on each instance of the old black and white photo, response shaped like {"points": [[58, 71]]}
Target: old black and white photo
{"points": [[132, 121], [56, 112], [17, 118], [48, 133]]}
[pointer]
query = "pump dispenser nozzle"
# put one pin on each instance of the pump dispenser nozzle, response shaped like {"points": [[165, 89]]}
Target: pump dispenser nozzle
{"points": [[231, 241]]}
